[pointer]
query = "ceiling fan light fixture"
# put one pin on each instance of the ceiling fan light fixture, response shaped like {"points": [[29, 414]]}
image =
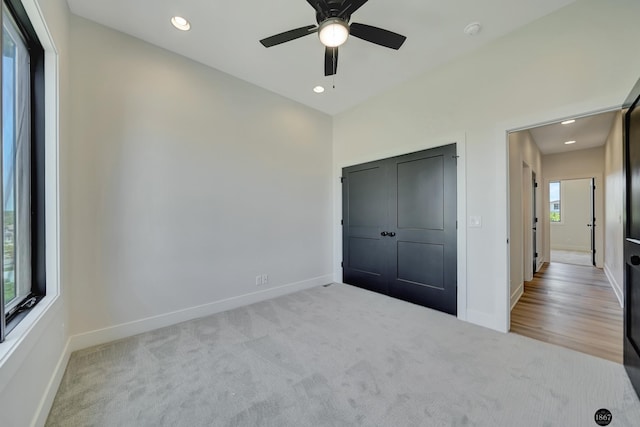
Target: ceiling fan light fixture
{"points": [[569, 142], [180, 23], [333, 32], [318, 89]]}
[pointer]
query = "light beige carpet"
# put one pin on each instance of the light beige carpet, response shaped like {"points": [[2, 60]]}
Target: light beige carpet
{"points": [[337, 356]]}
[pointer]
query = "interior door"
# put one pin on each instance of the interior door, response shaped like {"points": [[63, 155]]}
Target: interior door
{"points": [[592, 223], [399, 227], [534, 221], [632, 239], [423, 267], [365, 217]]}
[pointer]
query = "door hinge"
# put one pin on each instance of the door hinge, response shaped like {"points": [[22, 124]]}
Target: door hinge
{"points": [[341, 264], [536, 255], [507, 241], [536, 220], [342, 180], [456, 224], [342, 222], [535, 185]]}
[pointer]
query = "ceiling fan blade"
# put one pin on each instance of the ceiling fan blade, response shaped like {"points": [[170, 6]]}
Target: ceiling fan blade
{"points": [[288, 35], [350, 6], [330, 61], [377, 35]]}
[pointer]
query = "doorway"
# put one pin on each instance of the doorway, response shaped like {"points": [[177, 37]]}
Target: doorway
{"points": [[572, 216], [569, 298]]}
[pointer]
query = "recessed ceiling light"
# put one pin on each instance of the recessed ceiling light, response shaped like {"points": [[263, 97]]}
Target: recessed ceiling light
{"points": [[568, 122], [472, 29], [318, 89], [180, 23], [569, 142]]}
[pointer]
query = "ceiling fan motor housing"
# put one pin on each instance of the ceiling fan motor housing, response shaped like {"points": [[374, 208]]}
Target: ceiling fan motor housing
{"points": [[329, 9]]}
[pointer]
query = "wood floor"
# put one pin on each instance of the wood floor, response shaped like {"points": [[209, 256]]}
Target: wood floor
{"points": [[572, 306]]}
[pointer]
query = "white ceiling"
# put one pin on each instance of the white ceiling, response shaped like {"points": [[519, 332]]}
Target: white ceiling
{"points": [[588, 132], [225, 35]]}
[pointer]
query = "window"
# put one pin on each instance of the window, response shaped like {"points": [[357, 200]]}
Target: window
{"points": [[554, 201], [22, 166]]}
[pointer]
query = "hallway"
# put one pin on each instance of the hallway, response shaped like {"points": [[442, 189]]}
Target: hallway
{"points": [[571, 306]]}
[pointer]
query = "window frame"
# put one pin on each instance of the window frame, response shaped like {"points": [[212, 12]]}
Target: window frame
{"points": [[559, 202], [38, 284]]}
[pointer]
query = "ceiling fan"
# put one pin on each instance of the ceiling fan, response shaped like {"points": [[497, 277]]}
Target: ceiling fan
{"points": [[333, 29]]}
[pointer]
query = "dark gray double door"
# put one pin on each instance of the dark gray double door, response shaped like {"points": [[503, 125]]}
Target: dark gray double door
{"points": [[399, 227]]}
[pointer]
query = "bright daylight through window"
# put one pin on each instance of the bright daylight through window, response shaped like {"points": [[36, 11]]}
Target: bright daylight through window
{"points": [[22, 152], [554, 201]]}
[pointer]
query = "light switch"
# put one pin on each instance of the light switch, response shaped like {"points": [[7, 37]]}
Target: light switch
{"points": [[475, 222]]}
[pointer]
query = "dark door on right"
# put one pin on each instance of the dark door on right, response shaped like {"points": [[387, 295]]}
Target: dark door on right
{"points": [[592, 219], [399, 227], [632, 240]]}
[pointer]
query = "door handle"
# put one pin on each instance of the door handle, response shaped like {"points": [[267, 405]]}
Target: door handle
{"points": [[588, 225], [391, 234], [384, 233], [635, 260], [387, 233]]}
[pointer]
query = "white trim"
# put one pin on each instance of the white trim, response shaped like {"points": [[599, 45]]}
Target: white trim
{"points": [[487, 320], [461, 151], [30, 324], [574, 248], [42, 412], [516, 295], [614, 284], [124, 330], [20, 342]]}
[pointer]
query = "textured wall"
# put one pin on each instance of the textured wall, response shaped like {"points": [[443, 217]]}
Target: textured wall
{"points": [[186, 183], [614, 182]]}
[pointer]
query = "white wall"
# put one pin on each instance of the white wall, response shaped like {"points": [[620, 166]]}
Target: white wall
{"points": [[572, 233], [30, 374], [614, 183], [186, 183], [573, 61], [524, 156], [587, 163]]}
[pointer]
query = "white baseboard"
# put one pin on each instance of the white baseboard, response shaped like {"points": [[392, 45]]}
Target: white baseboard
{"points": [[615, 285], [516, 295], [124, 330], [485, 319], [40, 417], [571, 248]]}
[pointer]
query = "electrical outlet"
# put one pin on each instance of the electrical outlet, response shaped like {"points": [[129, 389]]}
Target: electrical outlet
{"points": [[265, 279]]}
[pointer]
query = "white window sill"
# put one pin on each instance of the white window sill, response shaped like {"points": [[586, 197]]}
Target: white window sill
{"points": [[20, 341]]}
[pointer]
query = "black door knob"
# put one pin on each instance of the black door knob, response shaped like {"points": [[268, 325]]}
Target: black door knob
{"points": [[384, 233], [635, 260], [391, 234]]}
